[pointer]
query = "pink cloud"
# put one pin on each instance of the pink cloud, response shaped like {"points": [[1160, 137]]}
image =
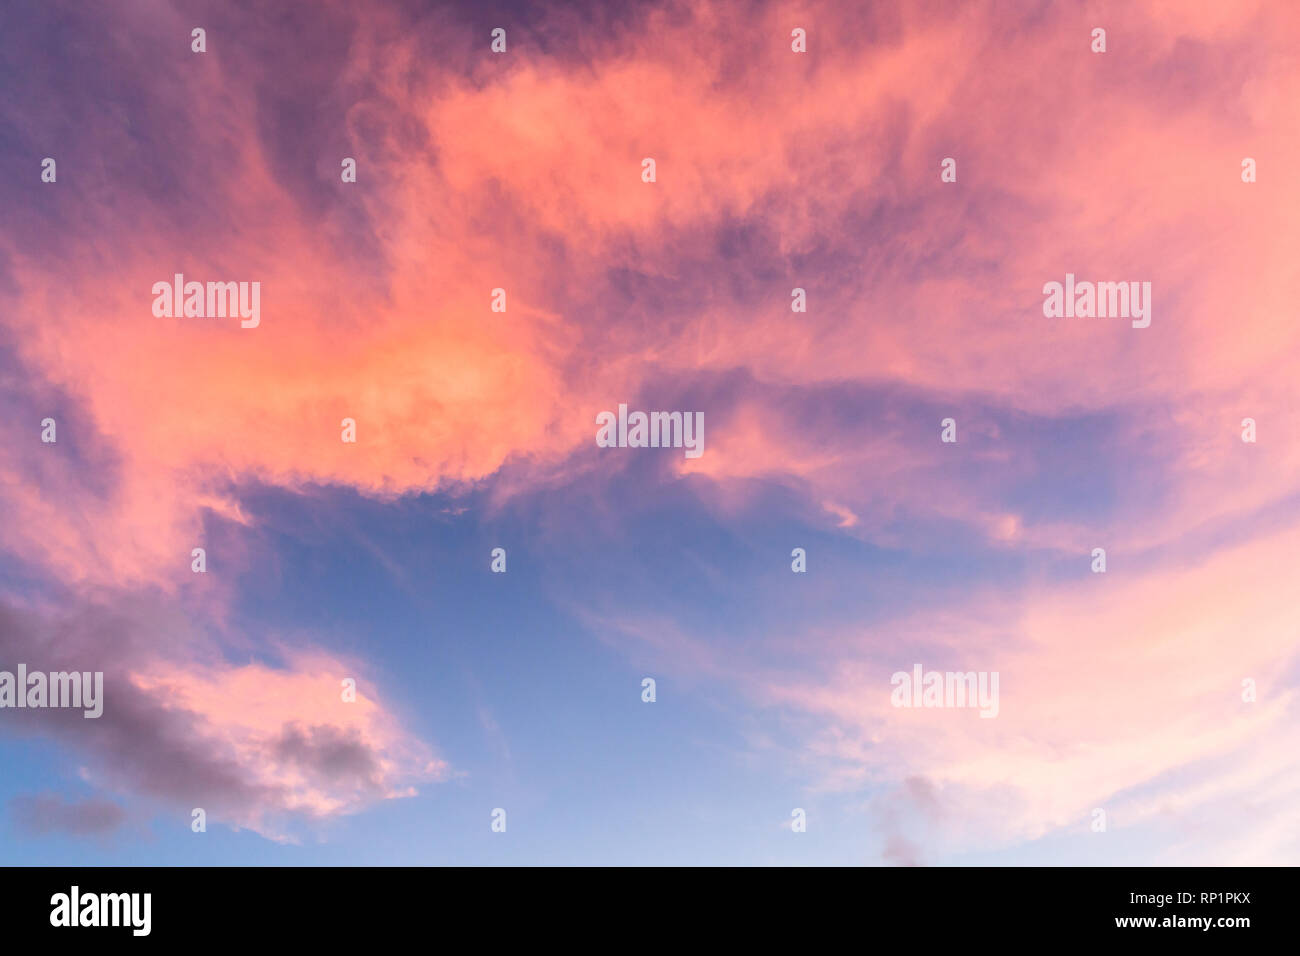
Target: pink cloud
{"points": [[527, 178], [1107, 688], [291, 733]]}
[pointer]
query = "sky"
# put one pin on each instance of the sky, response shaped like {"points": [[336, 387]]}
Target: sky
{"points": [[504, 267]]}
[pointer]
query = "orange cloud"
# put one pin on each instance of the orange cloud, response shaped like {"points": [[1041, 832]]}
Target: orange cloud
{"points": [[526, 177]]}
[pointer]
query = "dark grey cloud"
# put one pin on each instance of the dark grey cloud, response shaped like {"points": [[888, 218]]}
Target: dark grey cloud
{"points": [[328, 751], [139, 743], [150, 748], [901, 852], [47, 813], [902, 815]]}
